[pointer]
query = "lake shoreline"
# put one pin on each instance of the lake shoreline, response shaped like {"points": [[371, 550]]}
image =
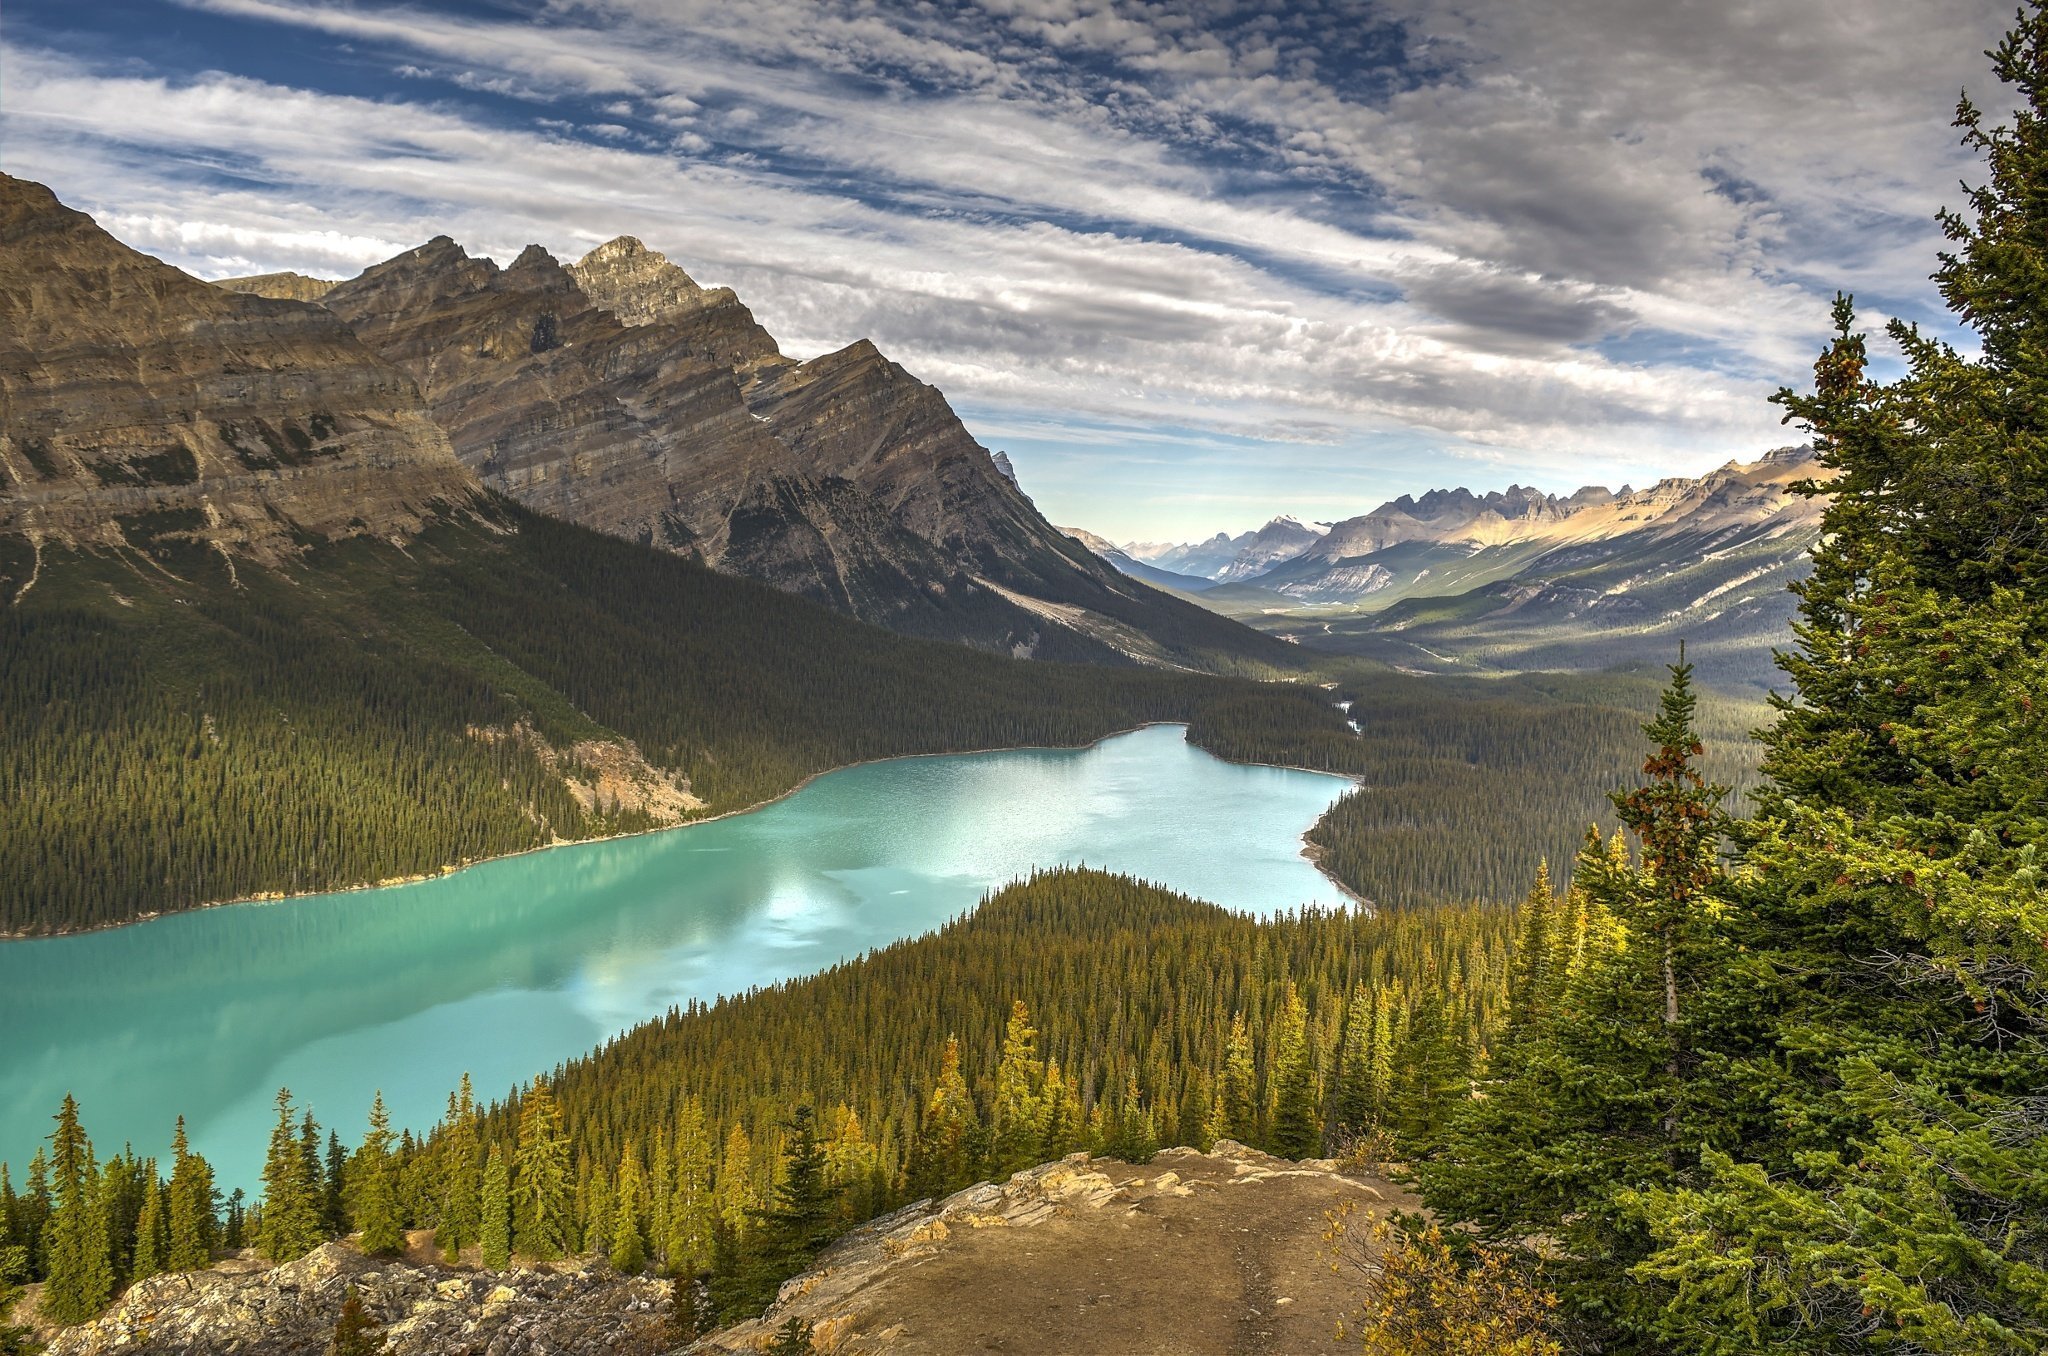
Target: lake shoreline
{"points": [[1309, 850]]}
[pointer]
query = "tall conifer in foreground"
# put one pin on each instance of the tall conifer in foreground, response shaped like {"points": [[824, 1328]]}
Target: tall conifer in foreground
{"points": [[373, 1177], [190, 1207], [541, 1186], [80, 1274], [1892, 910], [291, 1225]]}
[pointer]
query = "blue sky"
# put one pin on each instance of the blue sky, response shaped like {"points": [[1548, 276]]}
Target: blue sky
{"points": [[1192, 264]]}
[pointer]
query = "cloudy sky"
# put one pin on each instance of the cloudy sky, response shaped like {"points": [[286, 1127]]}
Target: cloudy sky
{"points": [[1192, 263]]}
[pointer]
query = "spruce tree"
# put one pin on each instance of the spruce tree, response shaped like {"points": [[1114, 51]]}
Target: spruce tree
{"points": [[1890, 1010], [374, 1179], [152, 1228], [291, 1224], [1130, 1134], [541, 1187], [945, 1158], [355, 1332], [461, 1162], [695, 1212], [494, 1227], [736, 1196], [797, 1220], [79, 1272], [1239, 1086], [1297, 1105], [1017, 1116], [626, 1249], [190, 1208]]}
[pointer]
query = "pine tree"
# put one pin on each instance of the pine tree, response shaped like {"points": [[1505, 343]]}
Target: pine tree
{"points": [[737, 1199], [80, 1276], [1297, 1104], [460, 1178], [945, 1158], [1240, 1092], [190, 1207], [234, 1233], [1017, 1116], [627, 1249], [797, 1220], [1129, 1132], [374, 1178], [152, 1228], [1889, 1016], [695, 1213], [540, 1182], [336, 1191], [355, 1332], [494, 1228], [291, 1198], [1676, 815]]}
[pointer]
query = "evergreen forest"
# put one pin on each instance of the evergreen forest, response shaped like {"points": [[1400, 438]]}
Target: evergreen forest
{"points": [[1755, 1061]]}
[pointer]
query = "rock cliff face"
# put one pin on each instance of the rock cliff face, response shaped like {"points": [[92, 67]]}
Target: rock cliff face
{"points": [[620, 394], [139, 404], [279, 286]]}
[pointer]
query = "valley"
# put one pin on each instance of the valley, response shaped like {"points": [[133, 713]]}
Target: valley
{"points": [[537, 821], [1515, 581]]}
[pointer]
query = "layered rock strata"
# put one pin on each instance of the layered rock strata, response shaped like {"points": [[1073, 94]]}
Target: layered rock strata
{"points": [[139, 405]]}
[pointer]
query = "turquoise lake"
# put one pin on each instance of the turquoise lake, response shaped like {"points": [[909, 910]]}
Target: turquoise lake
{"points": [[510, 967]]}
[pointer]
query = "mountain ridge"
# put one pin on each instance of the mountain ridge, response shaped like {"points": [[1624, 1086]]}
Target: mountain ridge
{"points": [[619, 393]]}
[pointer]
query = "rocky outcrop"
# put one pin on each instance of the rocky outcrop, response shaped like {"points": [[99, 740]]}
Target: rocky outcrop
{"points": [[1229, 1250], [140, 406], [243, 1309], [1226, 1251]]}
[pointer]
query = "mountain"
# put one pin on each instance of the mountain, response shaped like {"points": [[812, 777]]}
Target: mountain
{"points": [[1206, 559], [262, 631], [1137, 569], [144, 407], [1279, 541], [619, 394], [1226, 559], [1454, 580]]}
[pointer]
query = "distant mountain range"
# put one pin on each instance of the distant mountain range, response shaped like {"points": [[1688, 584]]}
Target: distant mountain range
{"points": [[1224, 559], [1457, 580]]}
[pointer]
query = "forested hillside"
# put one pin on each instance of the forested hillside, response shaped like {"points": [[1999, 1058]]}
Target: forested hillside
{"points": [[178, 730], [1073, 1010]]}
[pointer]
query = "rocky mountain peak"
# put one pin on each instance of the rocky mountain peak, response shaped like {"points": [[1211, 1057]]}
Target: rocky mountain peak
{"points": [[641, 286]]}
